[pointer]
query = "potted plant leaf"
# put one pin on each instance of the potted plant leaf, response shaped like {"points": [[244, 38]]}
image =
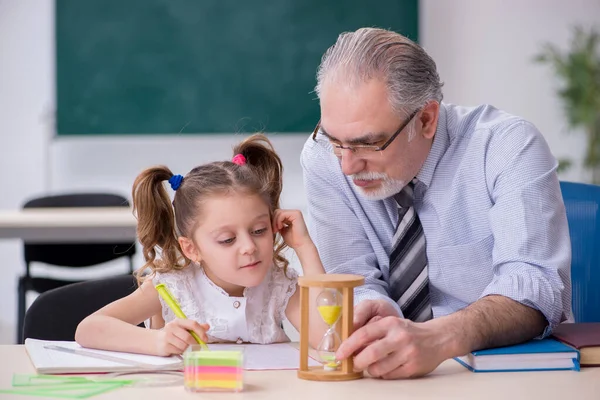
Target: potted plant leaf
{"points": [[578, 69]]}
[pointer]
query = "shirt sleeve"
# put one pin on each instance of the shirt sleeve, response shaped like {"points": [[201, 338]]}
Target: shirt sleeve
{"points": [[532, 248], [340, 238]]}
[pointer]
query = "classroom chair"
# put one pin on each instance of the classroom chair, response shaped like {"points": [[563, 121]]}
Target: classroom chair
{"points": [[582, 202], [55, 314], [72, 255]]}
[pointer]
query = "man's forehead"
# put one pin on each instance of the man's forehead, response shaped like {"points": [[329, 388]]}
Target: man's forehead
{"points": [[354, 103]]}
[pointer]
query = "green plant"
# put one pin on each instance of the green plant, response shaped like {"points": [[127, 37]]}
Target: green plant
{"points": [[579, 70]]}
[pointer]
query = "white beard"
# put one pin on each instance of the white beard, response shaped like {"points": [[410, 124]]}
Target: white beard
{"points": [[388, 187]]}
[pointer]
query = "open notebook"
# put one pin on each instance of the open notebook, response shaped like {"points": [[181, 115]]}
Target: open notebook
{"points": [[54, 361], [49, 361]]}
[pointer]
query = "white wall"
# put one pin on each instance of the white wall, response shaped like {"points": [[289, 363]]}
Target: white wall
{"points": [[26, 102], [483, 50]]}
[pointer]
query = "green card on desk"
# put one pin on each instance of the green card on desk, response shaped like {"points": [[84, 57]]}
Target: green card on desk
{"points": [[534, 355]]}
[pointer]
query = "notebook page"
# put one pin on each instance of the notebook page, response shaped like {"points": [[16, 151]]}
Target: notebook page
{"points": [[267, 356]]}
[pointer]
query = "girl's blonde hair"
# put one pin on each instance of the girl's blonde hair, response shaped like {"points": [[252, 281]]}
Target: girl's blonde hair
{"points": [[160, 223]]}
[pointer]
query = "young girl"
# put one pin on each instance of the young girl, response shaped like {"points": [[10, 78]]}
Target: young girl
{"points": [[218, 249]]}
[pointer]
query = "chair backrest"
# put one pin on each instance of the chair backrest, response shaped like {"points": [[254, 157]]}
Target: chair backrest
{"points": [[55, 314], [77, 254], [582, 202]]}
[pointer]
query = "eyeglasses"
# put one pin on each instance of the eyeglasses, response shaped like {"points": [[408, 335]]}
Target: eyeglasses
{"points": [[358, 150]]}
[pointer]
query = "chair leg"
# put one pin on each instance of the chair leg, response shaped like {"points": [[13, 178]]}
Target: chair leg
{"points": [[21, 308]]}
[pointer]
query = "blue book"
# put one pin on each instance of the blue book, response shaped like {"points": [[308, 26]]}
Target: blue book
{"points": [[534, 355]]}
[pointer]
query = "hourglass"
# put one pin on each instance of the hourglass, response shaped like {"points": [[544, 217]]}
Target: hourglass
{"points": [[335, 305]]}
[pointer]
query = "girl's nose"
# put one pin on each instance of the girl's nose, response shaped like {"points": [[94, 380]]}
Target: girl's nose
{"points": [[247, 246]]}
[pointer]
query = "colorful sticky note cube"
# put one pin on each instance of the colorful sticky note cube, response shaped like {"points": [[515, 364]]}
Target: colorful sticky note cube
{"points": [[213, 370]]}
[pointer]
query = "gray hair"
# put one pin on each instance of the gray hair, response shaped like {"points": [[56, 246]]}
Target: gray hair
{"points": [[409, 72]]}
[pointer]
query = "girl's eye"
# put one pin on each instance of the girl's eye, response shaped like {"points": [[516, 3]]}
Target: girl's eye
{"points": [[227, 241], [260, 231]]}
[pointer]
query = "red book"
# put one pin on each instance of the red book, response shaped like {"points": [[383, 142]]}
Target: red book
{"points": [[585, 337]]}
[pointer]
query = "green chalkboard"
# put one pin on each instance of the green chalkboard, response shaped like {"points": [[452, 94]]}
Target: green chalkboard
{"points": [[201, 66]]}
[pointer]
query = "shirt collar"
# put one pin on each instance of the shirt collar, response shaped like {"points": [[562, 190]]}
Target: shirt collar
{"points": [[208, 284], [438, 148]]}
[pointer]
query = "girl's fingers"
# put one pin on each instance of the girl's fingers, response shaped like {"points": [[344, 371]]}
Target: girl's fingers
{"points": [[178, 339], [276, 221]]}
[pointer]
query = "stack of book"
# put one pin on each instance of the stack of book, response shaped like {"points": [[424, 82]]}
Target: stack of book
{"points": [[570, 347]]}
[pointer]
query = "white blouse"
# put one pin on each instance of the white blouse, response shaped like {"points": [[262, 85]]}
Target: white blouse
{"points": [[255, 317]]}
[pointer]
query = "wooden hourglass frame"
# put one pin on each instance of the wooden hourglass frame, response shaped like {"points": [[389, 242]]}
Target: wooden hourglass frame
{"points": [[344, 283]]}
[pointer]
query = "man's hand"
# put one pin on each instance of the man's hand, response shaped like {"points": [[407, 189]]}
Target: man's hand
{"points": [[388, 346], [368, 311], [391, 347]]}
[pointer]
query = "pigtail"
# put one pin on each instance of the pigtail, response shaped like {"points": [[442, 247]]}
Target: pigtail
{"points": [[259, 154], [156, 221]]}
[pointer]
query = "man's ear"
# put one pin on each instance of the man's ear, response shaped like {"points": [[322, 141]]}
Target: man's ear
{"points": [[429, 119], [189, 249]]}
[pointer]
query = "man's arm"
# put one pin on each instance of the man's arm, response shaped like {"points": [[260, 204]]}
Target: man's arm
{"points": [[530, 292], [492, 321], [392, 348], [532, 249], [334, 226]]}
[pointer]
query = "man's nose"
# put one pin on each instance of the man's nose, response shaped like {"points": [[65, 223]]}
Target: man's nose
{"points": [[350, 163]]}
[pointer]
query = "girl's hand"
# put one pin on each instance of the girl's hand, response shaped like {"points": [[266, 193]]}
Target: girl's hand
{"points": [[175, 337], [290, 224]]}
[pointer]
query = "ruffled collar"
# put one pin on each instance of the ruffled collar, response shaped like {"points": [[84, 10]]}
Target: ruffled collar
{"points": [[208, 283]]}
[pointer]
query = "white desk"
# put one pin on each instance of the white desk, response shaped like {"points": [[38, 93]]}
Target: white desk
{"points": [[449, 381], [106, 224]]}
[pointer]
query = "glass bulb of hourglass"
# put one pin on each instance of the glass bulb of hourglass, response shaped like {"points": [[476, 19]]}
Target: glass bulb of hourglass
{"points": [[329, 305], [327, 348]]}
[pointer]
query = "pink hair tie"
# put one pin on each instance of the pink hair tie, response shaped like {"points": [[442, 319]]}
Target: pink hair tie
{"points": [[239, 159]]}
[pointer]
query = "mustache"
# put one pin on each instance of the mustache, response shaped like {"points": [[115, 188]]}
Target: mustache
{"points": [[369, 176]]}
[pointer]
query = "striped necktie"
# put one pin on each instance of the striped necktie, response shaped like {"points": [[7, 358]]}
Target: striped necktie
{"points": [[409, 280]]}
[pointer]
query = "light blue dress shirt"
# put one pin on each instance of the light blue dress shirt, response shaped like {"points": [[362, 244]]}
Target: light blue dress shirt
{"points": [[490, 203]]}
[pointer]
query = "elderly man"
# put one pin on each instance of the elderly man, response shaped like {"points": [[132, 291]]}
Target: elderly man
{"points": [[454, 215]]}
